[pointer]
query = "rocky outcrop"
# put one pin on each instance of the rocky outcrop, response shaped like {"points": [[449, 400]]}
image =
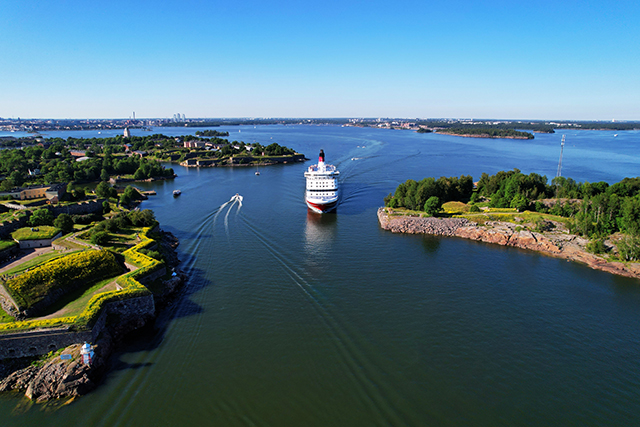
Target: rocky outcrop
{"points": [[507, 234], [558, 244], [420, 225], [56, 377]]}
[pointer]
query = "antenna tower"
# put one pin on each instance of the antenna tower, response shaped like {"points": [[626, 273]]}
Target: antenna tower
{"points": [[559, 173]]}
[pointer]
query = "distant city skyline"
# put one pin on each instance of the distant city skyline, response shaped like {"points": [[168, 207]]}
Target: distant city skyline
{"points": [[408, 59]]}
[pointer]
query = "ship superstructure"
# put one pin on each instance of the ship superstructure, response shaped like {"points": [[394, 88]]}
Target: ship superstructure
{"points": [[323, 187]]}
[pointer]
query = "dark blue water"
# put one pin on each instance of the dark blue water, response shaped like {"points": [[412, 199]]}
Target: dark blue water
{"points": [[290, 318]]}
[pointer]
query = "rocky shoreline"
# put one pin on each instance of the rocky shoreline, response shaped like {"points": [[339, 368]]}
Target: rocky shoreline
{"points": [[56, 378], [559, 244]]}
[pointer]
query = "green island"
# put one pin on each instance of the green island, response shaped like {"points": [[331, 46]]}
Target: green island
{"points": [[133, 158], [595, 223], [485, 132], [210, 132]]}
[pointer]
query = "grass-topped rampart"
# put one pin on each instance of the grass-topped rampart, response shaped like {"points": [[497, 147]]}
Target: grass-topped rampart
{"points": [[64, 274], [130, 288], [35, 233]]}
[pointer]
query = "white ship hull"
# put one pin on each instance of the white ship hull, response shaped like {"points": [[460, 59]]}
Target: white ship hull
{"points": [[321, 204], [323, 188]]}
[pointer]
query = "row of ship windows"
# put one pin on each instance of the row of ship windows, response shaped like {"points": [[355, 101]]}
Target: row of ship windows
{"points": [[324, 184]]}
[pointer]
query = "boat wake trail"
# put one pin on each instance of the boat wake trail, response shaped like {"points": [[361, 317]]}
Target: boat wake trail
{"points": [[235, 200], [352, 351], [199, 238]]}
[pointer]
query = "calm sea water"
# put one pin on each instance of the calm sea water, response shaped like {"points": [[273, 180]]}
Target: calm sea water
{"points": [[293, 319]]}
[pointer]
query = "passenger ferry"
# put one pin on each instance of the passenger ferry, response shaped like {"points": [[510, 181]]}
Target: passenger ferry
{"points": [[323, 188]]}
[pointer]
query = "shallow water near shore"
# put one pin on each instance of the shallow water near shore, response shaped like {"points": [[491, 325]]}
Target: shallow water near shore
{"points": [[290, 318]]}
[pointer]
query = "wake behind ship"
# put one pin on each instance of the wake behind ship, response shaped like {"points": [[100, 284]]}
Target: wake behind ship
{"points": [[323, 189]]}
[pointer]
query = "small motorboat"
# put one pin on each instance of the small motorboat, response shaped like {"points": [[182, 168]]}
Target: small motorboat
{"points": [[176, 193]]}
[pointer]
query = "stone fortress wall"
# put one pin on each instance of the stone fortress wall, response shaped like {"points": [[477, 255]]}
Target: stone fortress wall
{"points": [[36, 343]]}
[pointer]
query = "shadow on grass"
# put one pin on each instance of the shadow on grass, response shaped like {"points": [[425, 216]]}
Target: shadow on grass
{"points": [[77, 298]]}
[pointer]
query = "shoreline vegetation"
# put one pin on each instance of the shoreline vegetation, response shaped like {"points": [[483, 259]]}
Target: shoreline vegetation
{"points": [[557, 243], [595, 223], [81, 162], [484, 134]]}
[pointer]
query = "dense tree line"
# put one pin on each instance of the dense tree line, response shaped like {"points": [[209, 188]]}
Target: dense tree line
{"points": [[599, 125], [414, 195], [38, 165], [597, 209], [515, 125], [210, 132], [274, 149], [487, 131]]}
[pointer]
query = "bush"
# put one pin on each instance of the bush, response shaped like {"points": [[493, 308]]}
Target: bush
{"points": [[85, 219], [64, 223], [153, 254], [100, 238], [629, 248], [474, 208], [540, 207], [596, 246], [432, 206], [41, 217]]}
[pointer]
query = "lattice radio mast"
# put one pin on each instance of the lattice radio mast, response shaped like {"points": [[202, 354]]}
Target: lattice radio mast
{"points": [[559, 173]]}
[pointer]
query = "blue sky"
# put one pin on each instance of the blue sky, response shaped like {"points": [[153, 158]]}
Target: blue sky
{"points": [[471, 59]]}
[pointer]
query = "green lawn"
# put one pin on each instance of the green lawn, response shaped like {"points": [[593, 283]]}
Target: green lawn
{"points": [[73, 303], [4, 317], [34, 233], [455, 207], [6, 216], [69, 245], [514, 217], [5, 244], [123, 239]]}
